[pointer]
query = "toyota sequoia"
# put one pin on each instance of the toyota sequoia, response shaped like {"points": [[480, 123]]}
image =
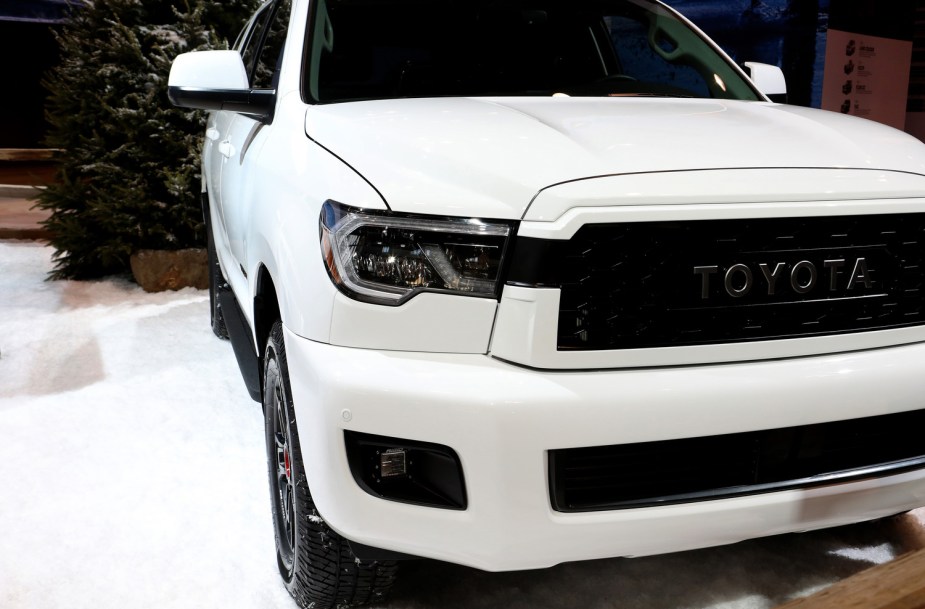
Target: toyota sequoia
{"points": [[525, 282]]}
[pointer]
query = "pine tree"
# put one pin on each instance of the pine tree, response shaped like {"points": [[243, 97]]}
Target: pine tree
{"points": [[128, 177], [227, 18]]}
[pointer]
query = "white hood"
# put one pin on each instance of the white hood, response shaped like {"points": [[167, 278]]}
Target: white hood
{"points": [[490, 157]]}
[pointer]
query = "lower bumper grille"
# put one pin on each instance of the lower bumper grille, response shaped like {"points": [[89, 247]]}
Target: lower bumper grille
{"points": [[695, 469]]}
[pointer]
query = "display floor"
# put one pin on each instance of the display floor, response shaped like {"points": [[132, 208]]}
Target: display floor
{"points": [[19, 219], [132, 475]]}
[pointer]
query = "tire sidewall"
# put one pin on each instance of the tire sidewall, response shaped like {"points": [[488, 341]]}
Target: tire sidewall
{"points": [[324, 573], [275, 355]]}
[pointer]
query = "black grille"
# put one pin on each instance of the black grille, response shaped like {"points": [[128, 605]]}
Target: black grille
{"points": [[696, 469], [659, 284]]}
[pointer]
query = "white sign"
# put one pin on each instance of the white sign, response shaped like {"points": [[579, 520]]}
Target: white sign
{"points": [[867, 76]]}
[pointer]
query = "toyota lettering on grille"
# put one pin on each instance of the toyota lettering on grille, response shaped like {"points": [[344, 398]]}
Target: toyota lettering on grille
{"points": [[833, 275]]}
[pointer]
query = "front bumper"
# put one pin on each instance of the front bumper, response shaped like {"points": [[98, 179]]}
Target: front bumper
{"points": [[501, 419]]}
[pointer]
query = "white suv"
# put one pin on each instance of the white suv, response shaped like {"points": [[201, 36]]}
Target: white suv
{"points": [[550, 280]]}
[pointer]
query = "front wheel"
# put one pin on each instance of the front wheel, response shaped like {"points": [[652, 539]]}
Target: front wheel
{"points": [[316, 563]]}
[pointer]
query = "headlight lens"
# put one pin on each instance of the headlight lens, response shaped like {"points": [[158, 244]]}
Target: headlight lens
{"points": [[387, 258]]}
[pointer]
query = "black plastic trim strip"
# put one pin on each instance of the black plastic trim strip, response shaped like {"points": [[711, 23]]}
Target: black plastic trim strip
{"points": [[364, 552], [257, 103], [241, 342]]}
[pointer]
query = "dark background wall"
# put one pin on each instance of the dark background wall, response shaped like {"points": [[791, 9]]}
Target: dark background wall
{"points": [[28, 49], [788, 33]]}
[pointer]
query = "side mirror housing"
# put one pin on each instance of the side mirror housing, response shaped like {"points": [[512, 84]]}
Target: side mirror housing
{"points": [[769, 80], [217, 80]]}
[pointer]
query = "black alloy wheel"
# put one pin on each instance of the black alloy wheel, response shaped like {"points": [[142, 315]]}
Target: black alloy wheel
{"points": [[278, 453], [316, 563]]}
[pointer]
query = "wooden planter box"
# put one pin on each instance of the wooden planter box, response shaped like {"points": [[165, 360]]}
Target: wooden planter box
{"points": [[160, 270]]}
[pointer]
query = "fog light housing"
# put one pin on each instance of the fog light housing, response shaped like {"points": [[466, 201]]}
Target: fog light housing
{"points": [[406, 471]]}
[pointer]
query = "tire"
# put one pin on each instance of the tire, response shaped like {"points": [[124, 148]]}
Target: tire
{"points": [[216, 279], [316, 563]]}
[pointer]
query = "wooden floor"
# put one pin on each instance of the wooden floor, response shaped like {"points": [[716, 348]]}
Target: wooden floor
{"points": [[898, 584], [32, 173], [20, 168], [20, 220], [27, 166]]}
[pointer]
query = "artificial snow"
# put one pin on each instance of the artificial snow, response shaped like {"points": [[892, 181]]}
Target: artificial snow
{"points": [[132, 475]]}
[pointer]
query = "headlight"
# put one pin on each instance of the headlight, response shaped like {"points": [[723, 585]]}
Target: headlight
{"points": [[387, 258]]}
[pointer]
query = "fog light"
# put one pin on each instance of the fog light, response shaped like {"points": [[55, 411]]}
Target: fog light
{"points": [[408, 471], [393, 463]]}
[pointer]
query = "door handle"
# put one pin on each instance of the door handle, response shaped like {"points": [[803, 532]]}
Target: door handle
{"points": [[226, 149], [212, 133]]}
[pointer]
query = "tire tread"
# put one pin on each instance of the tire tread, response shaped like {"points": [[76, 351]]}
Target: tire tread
{"points": [[325, 573]]}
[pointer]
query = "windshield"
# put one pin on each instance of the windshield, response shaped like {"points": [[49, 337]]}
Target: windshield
{"points": [[380, 49]]}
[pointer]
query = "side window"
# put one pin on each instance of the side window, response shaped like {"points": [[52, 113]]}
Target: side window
{"points": [[253, 38], [266, 70]]}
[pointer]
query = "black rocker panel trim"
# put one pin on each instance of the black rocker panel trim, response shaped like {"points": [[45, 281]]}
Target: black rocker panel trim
{"points": [[242, 344]]}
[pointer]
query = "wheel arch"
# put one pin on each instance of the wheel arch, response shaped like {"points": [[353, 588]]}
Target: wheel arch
{"points": [[266, 310]]}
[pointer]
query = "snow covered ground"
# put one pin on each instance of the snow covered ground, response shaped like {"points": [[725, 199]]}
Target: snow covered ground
{"points": [[132, 475]]}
